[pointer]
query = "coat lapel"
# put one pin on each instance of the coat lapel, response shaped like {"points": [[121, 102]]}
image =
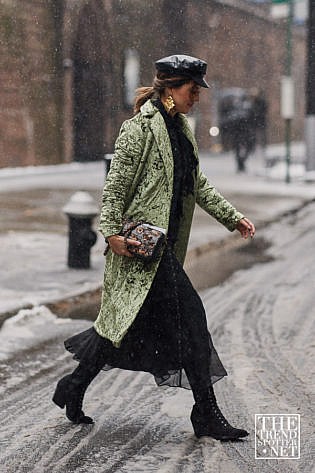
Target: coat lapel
{"points": [[158, 128]]}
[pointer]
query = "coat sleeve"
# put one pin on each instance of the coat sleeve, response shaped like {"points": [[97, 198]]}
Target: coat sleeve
{"points": [[128, 151], [210, 200]]}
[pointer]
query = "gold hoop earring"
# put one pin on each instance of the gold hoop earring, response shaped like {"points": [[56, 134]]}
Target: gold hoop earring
{"points": [[169, 104]]}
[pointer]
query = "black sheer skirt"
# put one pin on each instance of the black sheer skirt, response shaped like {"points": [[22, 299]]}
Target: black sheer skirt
{"points": [[169, 337]]}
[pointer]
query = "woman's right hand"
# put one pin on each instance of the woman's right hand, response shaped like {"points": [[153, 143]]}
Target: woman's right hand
{"points": [[118, 246]]}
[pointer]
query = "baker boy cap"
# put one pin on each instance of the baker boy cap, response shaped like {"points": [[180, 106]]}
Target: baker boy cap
{"points": [[182, 65]]}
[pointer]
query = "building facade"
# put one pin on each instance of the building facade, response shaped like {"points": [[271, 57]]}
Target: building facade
{"points": [[70, 68]]}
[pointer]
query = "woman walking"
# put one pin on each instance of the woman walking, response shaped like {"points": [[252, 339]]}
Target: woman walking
{"points": [[151, 318]]}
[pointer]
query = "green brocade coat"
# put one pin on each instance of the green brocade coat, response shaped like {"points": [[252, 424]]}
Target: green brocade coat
{"points": [[139, 185]]}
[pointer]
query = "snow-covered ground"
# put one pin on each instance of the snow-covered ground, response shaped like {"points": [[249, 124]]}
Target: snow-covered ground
{"points": [[262, 324]]}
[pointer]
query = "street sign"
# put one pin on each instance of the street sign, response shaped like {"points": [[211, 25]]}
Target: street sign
{"points": [[287, 97]]}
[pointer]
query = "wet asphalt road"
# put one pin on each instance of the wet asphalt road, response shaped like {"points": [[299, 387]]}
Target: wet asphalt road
{"points": [[262, 323]]}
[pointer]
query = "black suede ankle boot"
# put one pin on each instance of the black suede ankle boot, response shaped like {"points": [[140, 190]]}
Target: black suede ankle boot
{"points": [[208, 420], [70, 391]]}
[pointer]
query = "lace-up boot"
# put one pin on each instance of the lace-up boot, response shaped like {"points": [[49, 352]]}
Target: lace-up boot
{"points": [[208, 420], [70, 392]]}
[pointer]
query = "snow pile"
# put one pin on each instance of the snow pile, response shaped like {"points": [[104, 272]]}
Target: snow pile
{"points": [[27, 328]]}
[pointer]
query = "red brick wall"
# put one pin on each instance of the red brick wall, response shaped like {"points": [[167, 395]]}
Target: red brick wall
{"points": [[30, 85], [243, 48]]}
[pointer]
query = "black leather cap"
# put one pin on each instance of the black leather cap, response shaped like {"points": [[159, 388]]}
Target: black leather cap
{"points": [[182, 65]]}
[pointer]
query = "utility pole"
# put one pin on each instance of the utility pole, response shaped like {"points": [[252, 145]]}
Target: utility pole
{"points": [[310, 91], [287, 90], [285, 9]]}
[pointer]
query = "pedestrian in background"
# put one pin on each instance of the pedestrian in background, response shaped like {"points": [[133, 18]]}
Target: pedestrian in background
{"points": [[236, 121], [243, 133], [151, 318]]}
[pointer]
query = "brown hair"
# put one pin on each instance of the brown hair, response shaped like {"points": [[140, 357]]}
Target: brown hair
{"points": [[160, 82]]}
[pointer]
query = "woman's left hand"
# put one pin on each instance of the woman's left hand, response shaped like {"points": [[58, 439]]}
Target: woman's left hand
{"points": [[246, 228]]}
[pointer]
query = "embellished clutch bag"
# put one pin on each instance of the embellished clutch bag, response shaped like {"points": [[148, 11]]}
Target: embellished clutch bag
{"points": [[152, 239]]}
